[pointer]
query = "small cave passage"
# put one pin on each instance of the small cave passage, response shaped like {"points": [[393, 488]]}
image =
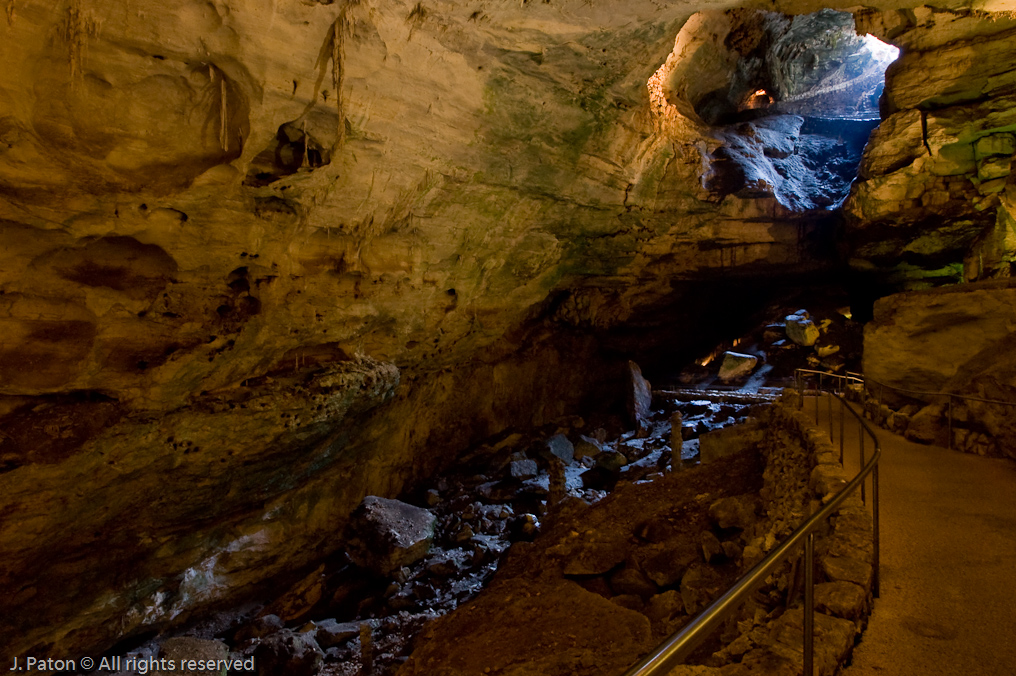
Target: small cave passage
{"points": [[294, 148], [792, 100]]}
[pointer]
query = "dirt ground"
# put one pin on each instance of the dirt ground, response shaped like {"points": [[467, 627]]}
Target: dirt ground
{"points": [[600, 587]]}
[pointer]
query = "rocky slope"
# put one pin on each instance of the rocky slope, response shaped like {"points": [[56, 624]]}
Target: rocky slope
{"points": [[260, 260]]}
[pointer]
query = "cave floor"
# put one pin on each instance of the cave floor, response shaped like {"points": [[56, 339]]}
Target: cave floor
{"points": [[948, 596], [549, 610]]}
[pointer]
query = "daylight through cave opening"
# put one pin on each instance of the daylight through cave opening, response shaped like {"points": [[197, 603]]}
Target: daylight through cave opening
{"points": [[791, 100]]}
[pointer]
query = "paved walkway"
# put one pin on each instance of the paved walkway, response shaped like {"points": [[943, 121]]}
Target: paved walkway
{"points": [[948, 603]]}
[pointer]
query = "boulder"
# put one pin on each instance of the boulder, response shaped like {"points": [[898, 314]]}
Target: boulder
{"points": [[847, 569], [612, 461], [728, 440], [824, 351], [385, 534], [733, 512], [558, 446], [732, 550], [631, 580], [666, 564], [189, 648], [664, 606], [712, 549], [587, 447], [801, 329], [260, 627], [523, 469], [842, 599], [699, 586], [736, 365], [331, 633], [287, 653], [599, 478], [640, 397]]}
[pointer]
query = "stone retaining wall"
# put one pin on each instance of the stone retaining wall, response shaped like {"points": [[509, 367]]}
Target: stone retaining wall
{"points": [[802, 472]]}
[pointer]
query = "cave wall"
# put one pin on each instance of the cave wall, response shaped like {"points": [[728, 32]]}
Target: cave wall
{"points": [[261, 260], [936, 194], [959, 340]]}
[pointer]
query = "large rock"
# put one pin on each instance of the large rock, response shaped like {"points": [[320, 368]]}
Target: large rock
{"points": [[733, 512], [959, 340], [940, 339], [287, 653], [183, 648], [385, 535], [736, 365], [700, 586], [587, 447], [523, 469], [559, 447], [640, 397], [330, 633], [728, 441], [801, 329]]}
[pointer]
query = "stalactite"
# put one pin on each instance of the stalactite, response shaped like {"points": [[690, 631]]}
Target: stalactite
{"points": [[10, 12], [75, 30], [337, 77]]}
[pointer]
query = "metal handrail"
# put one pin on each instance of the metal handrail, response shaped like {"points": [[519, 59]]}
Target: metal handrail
{"points": [[951, 395], [675, 649], [939, 393]]}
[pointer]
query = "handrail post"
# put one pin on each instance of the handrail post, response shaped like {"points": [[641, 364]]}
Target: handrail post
{"points": [[829, 409], [809, 605], [860, 434], [843, 413], [817, 392], [874, 528]]}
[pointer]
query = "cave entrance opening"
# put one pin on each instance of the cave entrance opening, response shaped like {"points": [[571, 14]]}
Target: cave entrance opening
{"points": [[791, 99]]}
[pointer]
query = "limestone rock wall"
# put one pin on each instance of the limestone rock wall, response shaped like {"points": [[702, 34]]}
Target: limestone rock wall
{"points": [[958, 340], [936, 193]]}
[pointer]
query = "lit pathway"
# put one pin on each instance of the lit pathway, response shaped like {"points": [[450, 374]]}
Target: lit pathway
{"points": [[948, 603]]}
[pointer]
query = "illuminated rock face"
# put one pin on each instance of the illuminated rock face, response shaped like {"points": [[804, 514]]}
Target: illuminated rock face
{"points": [[936, 195], [956, 339], [258, 260]]}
